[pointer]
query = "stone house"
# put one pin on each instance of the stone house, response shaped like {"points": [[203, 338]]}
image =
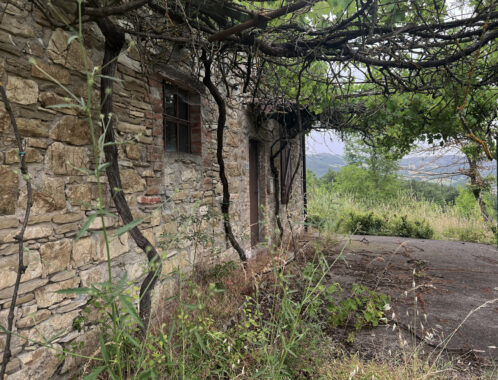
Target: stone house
{"points": [[167, 124]]}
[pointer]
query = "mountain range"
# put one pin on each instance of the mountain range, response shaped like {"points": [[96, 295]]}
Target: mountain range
{"points": [[443, 169]]}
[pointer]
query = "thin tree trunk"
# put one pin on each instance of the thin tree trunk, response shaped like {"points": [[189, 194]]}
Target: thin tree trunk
{"points": [[114, 41], [21, 268], [222, 115]]}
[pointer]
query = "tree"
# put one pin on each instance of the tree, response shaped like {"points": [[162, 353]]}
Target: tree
{"points": [[366, 153]]}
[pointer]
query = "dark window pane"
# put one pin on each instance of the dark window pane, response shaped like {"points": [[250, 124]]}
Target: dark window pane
{"points": [[169, 101], [182, 105], [170, 137], [183, 138]]}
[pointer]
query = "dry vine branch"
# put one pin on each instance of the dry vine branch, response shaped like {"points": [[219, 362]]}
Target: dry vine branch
{"points": [[21, 268]]}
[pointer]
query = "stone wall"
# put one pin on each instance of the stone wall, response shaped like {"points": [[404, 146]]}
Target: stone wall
{"points": [[177, 194]]}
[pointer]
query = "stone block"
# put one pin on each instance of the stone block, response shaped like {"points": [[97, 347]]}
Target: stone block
{"points": [[4, 118], [33, 319], [65, 228], [94, 275], [67, 55], [32, 155], [47, 295], [22, 91], [67, 218], [17, 26], [37, 232], [130, 128], [21, 299], [48, 99], [81, 194], [8, 222], [56, 72], [8, 190], [117, 247], [38, 364], [66, 160], [32, 128], [25, 287], [46, 199], [132, 181], [56, 255], [57, 325], [72, 130], [133, 151], [84, 250]]}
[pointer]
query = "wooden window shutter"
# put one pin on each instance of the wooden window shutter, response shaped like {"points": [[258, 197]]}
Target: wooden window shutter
{"points": [[285, 172]]}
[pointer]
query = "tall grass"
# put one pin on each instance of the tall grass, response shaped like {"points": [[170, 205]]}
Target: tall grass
{"points": [[328, 209]]}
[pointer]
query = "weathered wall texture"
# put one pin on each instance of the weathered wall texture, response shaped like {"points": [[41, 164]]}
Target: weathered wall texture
{"points": [[178, 194]]}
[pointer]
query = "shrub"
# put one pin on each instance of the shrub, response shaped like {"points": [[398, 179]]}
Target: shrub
{"points": [[401, 226], [365, 223], [374, 224]]}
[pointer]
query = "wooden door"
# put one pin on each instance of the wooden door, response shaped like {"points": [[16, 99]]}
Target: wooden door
{"points": [[254, 192]]}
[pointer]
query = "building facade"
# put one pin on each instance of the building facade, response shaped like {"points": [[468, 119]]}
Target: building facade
{"points": [[165, 122]]}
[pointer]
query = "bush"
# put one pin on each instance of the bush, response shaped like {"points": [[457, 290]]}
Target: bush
{"points": [[364, 223], [401, 226], [374, 224]]}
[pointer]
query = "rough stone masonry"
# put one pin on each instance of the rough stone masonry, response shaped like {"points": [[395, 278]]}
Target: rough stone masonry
{"points": [[177, 194]]}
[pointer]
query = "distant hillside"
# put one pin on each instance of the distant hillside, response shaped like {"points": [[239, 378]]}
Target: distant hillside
{"points": [[323, 162], [420, 168]]}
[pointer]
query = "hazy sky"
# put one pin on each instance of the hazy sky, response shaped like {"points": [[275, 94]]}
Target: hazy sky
{"points": [[324, 142]]}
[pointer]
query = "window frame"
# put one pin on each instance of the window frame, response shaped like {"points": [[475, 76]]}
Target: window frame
{"points": [[178, 121]]}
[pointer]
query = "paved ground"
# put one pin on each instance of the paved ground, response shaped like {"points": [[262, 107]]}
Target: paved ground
{"points": [[434, 285]]}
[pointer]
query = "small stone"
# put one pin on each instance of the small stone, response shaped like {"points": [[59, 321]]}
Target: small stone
{"points": [[72, 130], [66, 160], [67, 218], [58, 73], [22, 91], [81, 194], [9, 186], [56, 255]]}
